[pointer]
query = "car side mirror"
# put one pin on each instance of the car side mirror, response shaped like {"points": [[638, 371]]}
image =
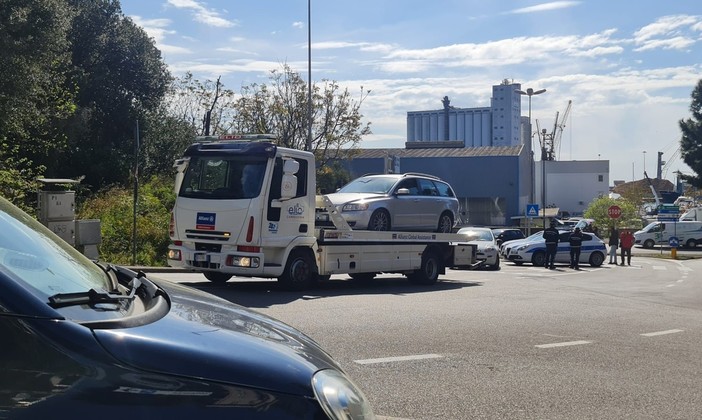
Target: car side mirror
{"points": [[402, 191]]}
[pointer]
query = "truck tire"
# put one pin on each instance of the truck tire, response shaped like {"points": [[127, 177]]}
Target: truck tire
{"points": [[428, 272], [445, 223], [691, 243], [300, 272], [379, 220], [216, 277], [648, 243]]}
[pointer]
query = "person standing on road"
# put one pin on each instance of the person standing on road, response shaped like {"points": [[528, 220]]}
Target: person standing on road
{"points": [[576, 241], [613, 244], [626, 241], [551, 239]]}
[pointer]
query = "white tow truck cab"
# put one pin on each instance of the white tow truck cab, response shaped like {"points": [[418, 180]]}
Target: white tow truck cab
{"points": [[246, 207]]}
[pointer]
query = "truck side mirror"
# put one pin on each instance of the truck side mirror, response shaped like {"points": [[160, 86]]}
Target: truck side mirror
{"points": [[288, 188], [180, 165]]}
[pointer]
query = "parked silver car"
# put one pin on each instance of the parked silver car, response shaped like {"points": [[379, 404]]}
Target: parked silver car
{"points": [[411, 201]]}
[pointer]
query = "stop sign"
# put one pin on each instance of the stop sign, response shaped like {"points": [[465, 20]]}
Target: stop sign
{"points": [[614, 212]]}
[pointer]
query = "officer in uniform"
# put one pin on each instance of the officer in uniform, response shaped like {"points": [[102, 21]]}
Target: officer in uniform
{"points": [[551, 239], [576, 241]]}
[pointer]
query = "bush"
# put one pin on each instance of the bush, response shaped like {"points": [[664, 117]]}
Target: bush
{"points": [[115, 209]]}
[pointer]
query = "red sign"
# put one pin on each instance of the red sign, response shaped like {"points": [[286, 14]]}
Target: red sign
{"points": [[614, 212]]}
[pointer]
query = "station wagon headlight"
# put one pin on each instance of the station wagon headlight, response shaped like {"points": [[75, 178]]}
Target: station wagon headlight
{"points": [[339, 397], [355, 207]]}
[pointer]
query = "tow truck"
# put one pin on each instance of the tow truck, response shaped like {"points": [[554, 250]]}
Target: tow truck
{"points": [[247, 208]]}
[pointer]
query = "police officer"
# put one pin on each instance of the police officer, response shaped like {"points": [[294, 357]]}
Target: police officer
{"points": [[576, 241], [551, 239]]}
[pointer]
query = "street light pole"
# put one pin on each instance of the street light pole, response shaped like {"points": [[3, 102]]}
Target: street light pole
{"points": [[644, 153], [531, 92], [309, 76]]}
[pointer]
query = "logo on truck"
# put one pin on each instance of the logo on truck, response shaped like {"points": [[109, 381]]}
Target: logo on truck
{"points": [[296, 211], [205, 221]]}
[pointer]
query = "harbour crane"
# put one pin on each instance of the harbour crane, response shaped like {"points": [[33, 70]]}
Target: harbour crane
{"points": [[551, 142]]}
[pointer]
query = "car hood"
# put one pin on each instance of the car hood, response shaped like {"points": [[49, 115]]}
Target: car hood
{"points": [[343, 198], [209, 338]]}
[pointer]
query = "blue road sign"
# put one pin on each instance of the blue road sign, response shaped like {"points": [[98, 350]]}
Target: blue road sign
{"points": [[532, 210], [674, 242]]}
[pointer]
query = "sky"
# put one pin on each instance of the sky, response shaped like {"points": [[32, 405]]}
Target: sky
{"points": [[628, 67]]}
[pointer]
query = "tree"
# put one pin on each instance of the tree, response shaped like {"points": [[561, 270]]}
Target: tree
{"points": [[597, 210], [206, 106], [34, 97], [281, 109], [120, 77], [691, 141]]}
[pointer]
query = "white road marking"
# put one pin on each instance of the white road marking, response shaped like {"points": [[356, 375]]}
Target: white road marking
{"points": [[653, 334], [563, 344], [398, 359], [659, 267]]}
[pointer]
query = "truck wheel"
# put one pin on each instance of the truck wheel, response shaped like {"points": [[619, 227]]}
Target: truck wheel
{"points": [[691, 243], [379, 220], [445, 223], [216, 277], [299, 271], [538, 259], [362, 278], [596, 259], [648, 243], [428, 273]]}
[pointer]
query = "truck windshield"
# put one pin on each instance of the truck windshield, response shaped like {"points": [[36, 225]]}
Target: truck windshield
{"points": [[223, 178]]}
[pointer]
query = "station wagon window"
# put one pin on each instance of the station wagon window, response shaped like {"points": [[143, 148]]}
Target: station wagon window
{"points": [[444, 189], [410, 184], [427, 187]]}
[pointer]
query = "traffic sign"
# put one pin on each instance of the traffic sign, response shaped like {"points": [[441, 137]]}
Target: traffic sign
{"points": [[532, 210], [614, 212], [674, 242]]}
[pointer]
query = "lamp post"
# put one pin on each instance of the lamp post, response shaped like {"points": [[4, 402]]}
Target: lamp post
{"points": [[644, 153], [309, 76], [531, 92]]}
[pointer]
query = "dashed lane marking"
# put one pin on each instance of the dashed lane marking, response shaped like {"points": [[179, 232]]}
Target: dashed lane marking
{"points": [[653, 334], [563, 344], [398, 359]]}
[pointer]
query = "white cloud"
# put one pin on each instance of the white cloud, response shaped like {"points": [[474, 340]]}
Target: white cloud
{"points": [[202, 14], [554, 5], [298, 25]]}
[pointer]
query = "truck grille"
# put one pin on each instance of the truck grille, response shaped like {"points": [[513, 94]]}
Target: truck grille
{"points": [[211, 235]]}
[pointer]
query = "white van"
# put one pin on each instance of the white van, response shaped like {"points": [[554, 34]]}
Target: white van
{"points": [[689, 234], [695, 213]]}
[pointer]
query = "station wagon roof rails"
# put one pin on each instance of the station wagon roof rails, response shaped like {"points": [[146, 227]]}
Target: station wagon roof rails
{"points": [[421, 174]]}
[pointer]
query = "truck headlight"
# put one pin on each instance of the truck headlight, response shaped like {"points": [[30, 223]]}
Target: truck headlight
{"points": [[355, 207], [339, 397]]}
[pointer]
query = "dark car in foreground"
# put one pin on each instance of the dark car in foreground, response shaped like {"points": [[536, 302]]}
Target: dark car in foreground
{"points": [[82, 339]]}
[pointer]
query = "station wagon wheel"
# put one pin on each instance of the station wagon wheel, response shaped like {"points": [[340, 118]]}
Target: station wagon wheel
{"points": [[379, 220], [538, 259], [216, 277], [596, 259], [691, 243], [445, 223], [299, 271], [648, 243]]}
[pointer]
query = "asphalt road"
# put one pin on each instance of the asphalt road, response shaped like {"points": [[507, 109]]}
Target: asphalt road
{"points": [[520, 343]]}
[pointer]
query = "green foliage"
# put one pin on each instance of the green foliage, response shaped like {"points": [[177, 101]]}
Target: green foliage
{"points": [[597, 210], [331, 177], [691, 141], [115, 209]]}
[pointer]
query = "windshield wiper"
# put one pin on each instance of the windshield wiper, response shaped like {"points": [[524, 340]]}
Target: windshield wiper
{"points": [[92, 297]]}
